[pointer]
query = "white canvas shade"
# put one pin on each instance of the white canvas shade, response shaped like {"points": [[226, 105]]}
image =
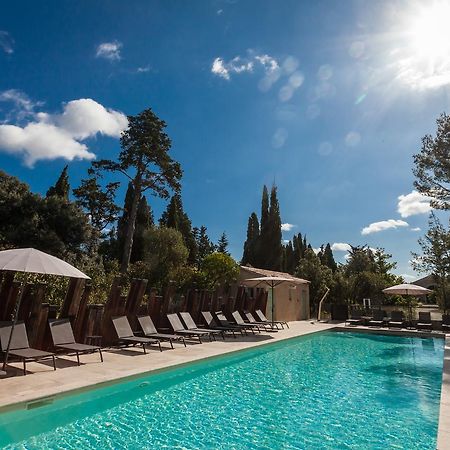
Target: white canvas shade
{"points": [[30, 260], [407, 289]]}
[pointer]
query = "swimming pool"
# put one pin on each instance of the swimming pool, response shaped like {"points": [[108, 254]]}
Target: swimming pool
{"points": [[327, 390]]}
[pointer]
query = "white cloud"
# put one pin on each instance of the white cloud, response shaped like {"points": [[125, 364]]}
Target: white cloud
{"points": [[352, 139], [279, 137], [287, 226], [109, 50], [316, 250], [413, 203], [240, 64], [376, 227], [218, 68], [19, 98], [51, 136], [143, 69], [416, 229], [408, 277], [6, 42], [341, 247]]}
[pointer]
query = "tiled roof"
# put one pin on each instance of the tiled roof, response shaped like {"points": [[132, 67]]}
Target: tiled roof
{"points": [[273, 273]]}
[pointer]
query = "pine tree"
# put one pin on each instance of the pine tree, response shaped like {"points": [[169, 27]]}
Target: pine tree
{"points": [[144, 221], [250, 255], [175, 217], [222, 244], [61, 187]]}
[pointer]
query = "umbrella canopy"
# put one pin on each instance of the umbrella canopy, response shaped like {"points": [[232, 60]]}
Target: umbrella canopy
{"points": [[269, 281], [406, 289], [31, 260], [272, 282]]}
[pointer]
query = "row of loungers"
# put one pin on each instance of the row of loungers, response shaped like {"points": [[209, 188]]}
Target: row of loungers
{"points": [[64, 340], [397, 320]]}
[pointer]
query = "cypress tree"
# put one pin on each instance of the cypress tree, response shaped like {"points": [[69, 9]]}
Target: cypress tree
{"points": [[328, 258], [122, 223], [61, 187], [175, 217], [144, 221], [204, 245], [262, 257], [271, 243], [250, 255]]}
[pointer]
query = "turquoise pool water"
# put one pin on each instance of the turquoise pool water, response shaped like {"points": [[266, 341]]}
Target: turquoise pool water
{"points": [[323, 391]]}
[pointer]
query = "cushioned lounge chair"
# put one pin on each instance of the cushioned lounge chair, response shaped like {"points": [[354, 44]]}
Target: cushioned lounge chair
{"points": [[20, 348], [355, 318], [377, 318], [396, 320], [150, 331], [263, 318], [225, 323], [125, 334], [191, 325], [240, 321], [424, 322], [213, 324], [446, 322], [268, 326], [63, 338], [178, 328]]}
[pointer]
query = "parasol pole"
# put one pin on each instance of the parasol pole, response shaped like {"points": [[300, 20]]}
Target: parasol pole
{"points": [[14, 317]]}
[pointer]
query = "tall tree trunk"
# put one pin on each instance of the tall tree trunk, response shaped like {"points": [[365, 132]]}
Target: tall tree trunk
{"points": [[128, 245]]}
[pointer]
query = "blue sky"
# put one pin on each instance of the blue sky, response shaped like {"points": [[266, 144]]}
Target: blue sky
{"points": [[329, 100]]}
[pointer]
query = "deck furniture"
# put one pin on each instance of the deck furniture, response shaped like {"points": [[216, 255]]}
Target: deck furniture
{"points": [[191, 325], [63, 338], [397, 319], [355, 318], [424, 322], [445, 322], [240, 321], [212, 323], [225, 322], [377, 319], [263, 318], [178, 328], [20, 347], [125, 334], [150, 331], [268, 326]]}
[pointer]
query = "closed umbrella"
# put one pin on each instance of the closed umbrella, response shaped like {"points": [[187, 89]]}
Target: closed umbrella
{"points": [[30, 260], [271, 282], [408, 290]]}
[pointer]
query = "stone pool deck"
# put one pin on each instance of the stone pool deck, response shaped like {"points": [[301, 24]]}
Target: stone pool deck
{"points": [[42, 382]]}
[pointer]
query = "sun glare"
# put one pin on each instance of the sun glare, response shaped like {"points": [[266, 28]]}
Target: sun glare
{"points": [[430, 31]]}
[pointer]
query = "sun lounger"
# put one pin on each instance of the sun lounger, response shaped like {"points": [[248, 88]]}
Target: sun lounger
{"points": [[226, 323], [424, 322], [191, 325], [240, 321], [266, 325], [20, 347], [150, 331], [396, 319], [178, 328], [125, 334], [263, 318], [63, 338], [212, 323], [377, 318], [445, 322], [355, 318]]}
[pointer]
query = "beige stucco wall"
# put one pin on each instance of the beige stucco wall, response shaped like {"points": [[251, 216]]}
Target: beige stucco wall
{"points": [[291, 301]]}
